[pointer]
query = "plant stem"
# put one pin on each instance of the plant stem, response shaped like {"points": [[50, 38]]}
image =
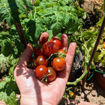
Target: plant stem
{"points": [[86, 69], [95, 47], [15, 14], [33, 2], [97, 42], [20, 32], [80, 78], [104, 7]]}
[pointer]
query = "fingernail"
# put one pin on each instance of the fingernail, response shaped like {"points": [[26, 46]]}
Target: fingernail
{"points": [[29, 45]]}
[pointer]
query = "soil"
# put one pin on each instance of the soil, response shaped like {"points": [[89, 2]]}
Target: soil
{"points": [[91, 92]]}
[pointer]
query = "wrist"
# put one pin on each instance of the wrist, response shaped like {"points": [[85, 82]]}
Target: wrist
{"points": [[32, 100], [27, 100]]}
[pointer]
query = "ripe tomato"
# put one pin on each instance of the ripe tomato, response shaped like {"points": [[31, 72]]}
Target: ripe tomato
{"points": [[51, 74], [59, 63], [41, 72], [49, 48], [57, 42], [104, 45], [72, 95], [41, 60], [62, 51]]}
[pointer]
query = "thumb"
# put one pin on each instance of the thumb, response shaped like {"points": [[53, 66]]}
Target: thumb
{"points": [[25, 56]]}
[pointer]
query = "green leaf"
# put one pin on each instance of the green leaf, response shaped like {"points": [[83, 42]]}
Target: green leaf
{"points": [[3, 96], [11, 100], [38, 31], [102, 54], [50, 34]]}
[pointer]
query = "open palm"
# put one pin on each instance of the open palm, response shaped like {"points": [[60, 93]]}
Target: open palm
{"points": [[31, 88]]}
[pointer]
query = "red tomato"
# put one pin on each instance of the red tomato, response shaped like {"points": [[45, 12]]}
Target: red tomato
{"points": [[51, 74], [57, 42], [59, 63], [41, 72], [49, 48], [41, 60]]}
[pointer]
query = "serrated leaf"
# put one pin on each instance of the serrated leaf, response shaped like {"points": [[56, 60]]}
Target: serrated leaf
{"points": [[38, 31], [3, 96], [102, 54], [2, 84], [50, 34], [11, 100]]}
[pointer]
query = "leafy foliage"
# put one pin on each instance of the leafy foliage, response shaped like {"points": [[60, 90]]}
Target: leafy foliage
{"points": [[99, 56], [4, 63], [7, 88], [5, 12], [53, 16], [10, 50]]}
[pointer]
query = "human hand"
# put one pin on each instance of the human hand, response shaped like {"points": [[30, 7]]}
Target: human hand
{"points": [[33, 92]]}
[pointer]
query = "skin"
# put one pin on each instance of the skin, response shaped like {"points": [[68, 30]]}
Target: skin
{"points": [[33, 92], [30, 87]]}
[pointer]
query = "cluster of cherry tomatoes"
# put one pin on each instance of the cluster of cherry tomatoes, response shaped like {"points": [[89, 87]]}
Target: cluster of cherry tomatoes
{"points": [[49, 60]]}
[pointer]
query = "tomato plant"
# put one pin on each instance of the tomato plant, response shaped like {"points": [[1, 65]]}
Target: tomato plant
{"points": [[67, 19]]}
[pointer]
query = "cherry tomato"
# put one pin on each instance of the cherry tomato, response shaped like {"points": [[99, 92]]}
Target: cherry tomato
{"points": [[62, 51], [104, 45], [57, 42], [51, 74], [72, 95], [41, 60], [59, 63], [41, 72], [49, 48]]}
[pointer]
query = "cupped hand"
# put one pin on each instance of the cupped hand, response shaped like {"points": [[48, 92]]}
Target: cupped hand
{"points": [[32, 90]]}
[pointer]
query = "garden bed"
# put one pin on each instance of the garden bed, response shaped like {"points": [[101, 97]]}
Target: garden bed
{"points": [[79, 19]]}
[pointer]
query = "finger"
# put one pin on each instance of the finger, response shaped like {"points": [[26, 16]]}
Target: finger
{"points": [[64, 40], [26, 55], [63, 75], [70, 58], [2, 103], [43, 38]]}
